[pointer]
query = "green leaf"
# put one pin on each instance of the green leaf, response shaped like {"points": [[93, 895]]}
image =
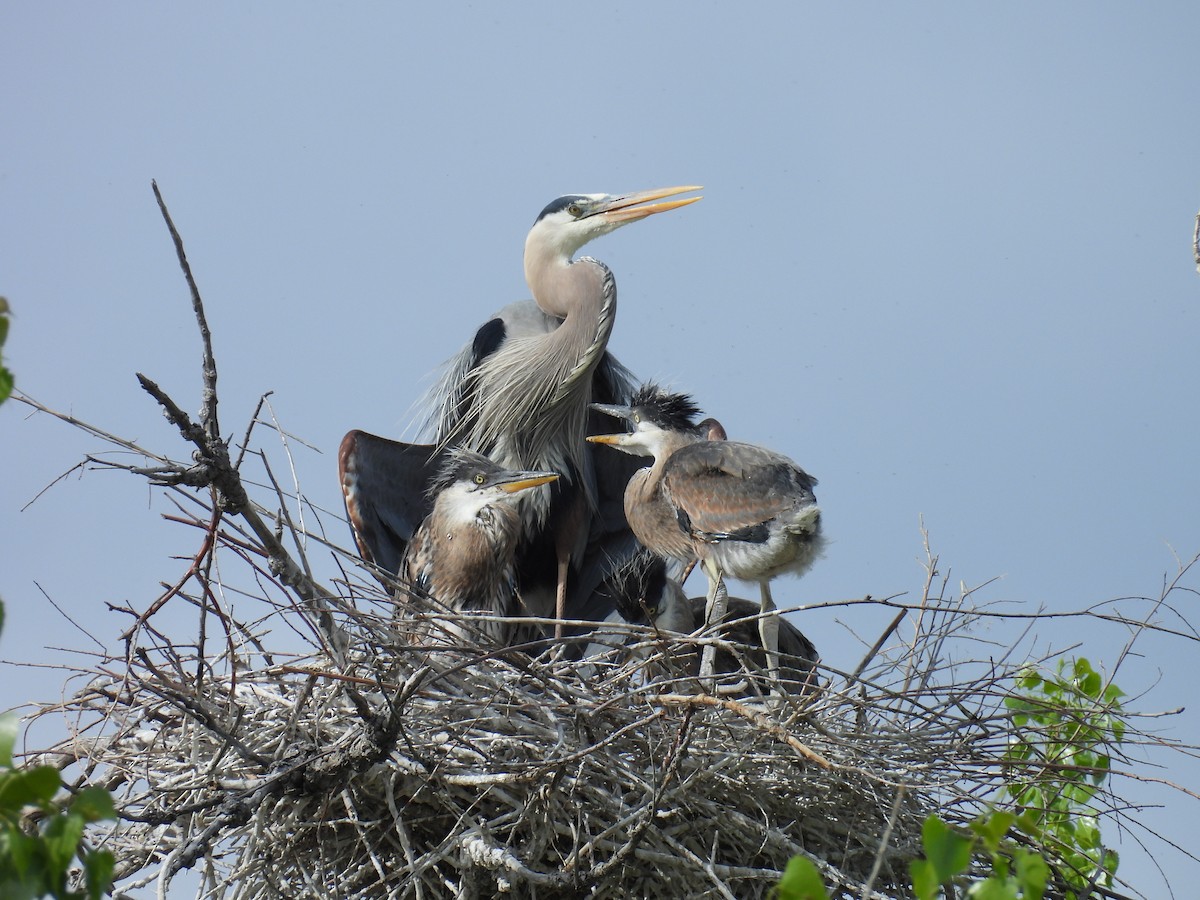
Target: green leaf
{"points": [[1033, 797], [947, 850], [993, 828], [1117, 727], [1032, 874], [1078, 794], [924, 879], [6, 384], [1029, 823], [9, 725], [1087, 833], [16, 851], [61, 839], [801, 881], [22, 787], [98, 871], [23, 889], [94, 804], [993, 889]]}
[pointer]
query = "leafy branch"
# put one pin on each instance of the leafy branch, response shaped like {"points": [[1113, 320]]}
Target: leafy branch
{"points": [[41, 837]]}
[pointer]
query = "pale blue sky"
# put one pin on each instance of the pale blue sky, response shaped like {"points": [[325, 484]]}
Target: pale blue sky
{"points": [[943, 261]]}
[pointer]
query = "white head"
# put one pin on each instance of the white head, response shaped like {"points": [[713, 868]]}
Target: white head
{"points": [[469, 483], [569, 222], [658, 420]]}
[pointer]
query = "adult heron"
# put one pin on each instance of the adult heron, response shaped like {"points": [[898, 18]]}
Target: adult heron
{"points": [[645, 594], [744, 511], [519, 393], [462, 557]]}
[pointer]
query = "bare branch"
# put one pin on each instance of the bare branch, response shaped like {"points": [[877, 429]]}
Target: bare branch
{"points": [[209, 415], [1196, 243]]}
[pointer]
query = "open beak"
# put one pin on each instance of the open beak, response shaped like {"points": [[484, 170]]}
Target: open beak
{"points": [[617, 412], [523, 481], [624, 413], [626, 208]]}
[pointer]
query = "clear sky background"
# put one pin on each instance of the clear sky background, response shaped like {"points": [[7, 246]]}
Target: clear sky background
{"points": [[943, 261]]}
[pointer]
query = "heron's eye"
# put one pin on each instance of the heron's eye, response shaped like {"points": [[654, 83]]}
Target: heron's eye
{"points": [[479, 479], [637, 418], [575, 210]]}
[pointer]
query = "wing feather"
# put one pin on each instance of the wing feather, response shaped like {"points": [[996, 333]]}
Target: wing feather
{"points": [[384, 485], [727, 488]]}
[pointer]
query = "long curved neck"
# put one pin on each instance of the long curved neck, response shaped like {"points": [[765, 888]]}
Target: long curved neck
{"points": [[651, 516], [551, 276], [532, 395], [558, 388], [585, 296]]}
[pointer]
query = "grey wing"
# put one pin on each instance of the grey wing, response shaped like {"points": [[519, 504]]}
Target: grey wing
{"points": [[450, 413], [450, 403], [384, 485], [728, 489]]}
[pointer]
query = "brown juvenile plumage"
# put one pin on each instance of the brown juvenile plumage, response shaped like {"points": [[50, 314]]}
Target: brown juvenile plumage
{"points": [[744, 511], [461, 558]]}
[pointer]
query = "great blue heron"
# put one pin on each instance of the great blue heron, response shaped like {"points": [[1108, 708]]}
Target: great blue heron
{"points": [[461, 557], [746, 512], [646, 595], [519, 393]]}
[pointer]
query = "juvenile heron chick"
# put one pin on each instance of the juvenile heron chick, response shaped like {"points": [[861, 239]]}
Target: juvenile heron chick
{"points": [[744, 511], [646, 595], [462, 555]]}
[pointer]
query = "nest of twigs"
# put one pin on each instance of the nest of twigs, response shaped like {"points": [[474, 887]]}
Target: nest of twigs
{"points": [[370, 766], [389, 769]]}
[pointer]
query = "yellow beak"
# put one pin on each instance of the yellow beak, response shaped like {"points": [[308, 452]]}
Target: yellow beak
{"points": [[626, 208]]}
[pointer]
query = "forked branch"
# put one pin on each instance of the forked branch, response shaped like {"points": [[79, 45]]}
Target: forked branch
{"points": [[213, 467]]}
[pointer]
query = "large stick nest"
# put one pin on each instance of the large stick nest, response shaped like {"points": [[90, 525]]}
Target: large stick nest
{"points": [[292, 740], [410, 771]]}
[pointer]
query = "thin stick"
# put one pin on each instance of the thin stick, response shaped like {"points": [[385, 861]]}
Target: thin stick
{"points": [[209, 416]]}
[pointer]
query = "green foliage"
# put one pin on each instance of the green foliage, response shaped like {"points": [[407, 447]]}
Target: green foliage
{"points": [[947, 854], [1064, 729], [6, 377], [1059, 755], [1017, 873], [34, 862], [801, 881]]}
